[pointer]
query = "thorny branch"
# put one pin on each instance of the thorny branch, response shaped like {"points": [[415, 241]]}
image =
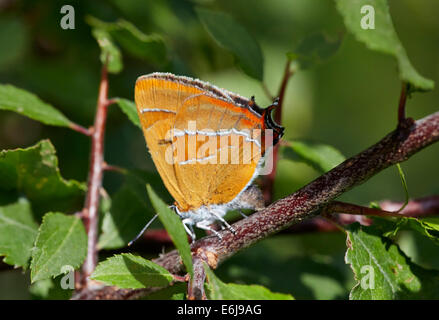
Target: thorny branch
{"points": [[421, 207], [90, 212], [396, 147]]}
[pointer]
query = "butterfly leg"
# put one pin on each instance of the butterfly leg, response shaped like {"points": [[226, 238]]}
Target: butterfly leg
{"points": [[224, 222], [187, 224], [191, 227], [203, 225]]}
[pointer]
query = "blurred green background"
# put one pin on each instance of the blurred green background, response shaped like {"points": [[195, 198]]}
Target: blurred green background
{"points": [[349, 102]]}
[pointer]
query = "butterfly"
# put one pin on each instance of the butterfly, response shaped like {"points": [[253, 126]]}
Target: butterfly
{"points": [[208, 145]]}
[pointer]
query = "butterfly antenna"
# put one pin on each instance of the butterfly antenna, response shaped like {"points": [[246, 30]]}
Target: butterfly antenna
{"points": [[143, 230]]}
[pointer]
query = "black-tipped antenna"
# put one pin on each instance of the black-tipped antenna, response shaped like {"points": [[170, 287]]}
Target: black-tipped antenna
{"points": [[143, 230]]}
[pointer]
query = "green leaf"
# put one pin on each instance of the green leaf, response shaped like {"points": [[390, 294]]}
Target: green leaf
{"points": [[174, 227], [230, 35], [218, 290], [29, 105], [321, 157], [373, 256], [129, 108], [315, 49], [140, 45], [34, 173], [382, 38], [110, 53], [18, 231], [428, 227], [61, 242], [131, 272]]}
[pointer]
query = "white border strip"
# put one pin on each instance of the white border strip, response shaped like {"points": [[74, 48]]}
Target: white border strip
{"points": [[181, 133]]}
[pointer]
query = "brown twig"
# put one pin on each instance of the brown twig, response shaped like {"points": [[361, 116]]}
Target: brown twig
{"points": [[268, 182], [91, 207], [305, 203], [195, 289], [421, 207], [78, 128], [319, 224], [353, 209]]}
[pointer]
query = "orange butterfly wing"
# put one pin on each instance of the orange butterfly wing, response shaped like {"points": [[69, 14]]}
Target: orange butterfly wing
{"points": [[202, 145]]}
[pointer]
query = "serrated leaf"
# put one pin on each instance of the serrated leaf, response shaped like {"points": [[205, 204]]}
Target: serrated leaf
{"points": [[174, 227], [218, 290], [149, 47], [373, 256], [110, 53], [29, 105], [129, 108], [230, 35], [322, 157], [18, 231], [34, 173], [315, 49], [61, 242], [382, 38], [131, 272]]}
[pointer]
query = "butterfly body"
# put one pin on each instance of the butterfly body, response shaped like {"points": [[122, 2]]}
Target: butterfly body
{"points": [[207, 144]]}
